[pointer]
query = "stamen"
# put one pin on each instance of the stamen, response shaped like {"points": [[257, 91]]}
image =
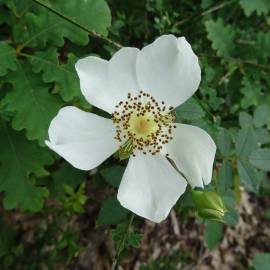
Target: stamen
{"points": [[142, 123]]}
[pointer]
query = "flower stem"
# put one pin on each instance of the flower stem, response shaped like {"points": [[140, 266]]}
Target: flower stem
{"points": [[121, 246], [91, 32]]}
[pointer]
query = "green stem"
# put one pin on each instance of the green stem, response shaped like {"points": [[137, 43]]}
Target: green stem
{"points": [[91, 32], [122, 244]]}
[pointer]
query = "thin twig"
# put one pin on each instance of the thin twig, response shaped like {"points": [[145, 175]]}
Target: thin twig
{"points": [[239, 61], [175, 223], [208, 11], [90, 32], [217, 7]]}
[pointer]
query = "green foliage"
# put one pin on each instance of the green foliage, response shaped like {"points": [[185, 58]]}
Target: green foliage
{"points": [[209, 204], [39, 27], [259, 6], [124, 236], [224, 142], [245, 142], [252, 91], [7, 58], [249, 175], [222, 37], [66, 175], [111, 212], [63, 75], [113, 175], [30, 102], [261, 261], [21, 161], [262, 115], [168, 262], [54, 239], [213, 234], [190, 110], [260, 158], [74, 200], [92, 14], [30, 99], [38, 49], [225, 181]]}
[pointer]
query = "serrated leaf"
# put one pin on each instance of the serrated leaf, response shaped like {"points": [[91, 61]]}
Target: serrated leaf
{"points": [[262, 46], [225, 180], [7, 58], [124, 236], [262, 136], [251, 91], [134, 239], [111, 212], [20, 161], [190, 110], [245, 120], [260, 158], [222, 37], [231, 216], [30, 102], [213, 233], [224, 142], [262, 116], [42, 26], [113, 175], [211, 94], [92, 14], [262, 261], [63, 75], [245, 142], [19, 7], [248, 175], [259, 6]]}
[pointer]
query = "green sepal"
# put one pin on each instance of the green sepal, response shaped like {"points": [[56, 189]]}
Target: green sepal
{"points": [[126, 150]]}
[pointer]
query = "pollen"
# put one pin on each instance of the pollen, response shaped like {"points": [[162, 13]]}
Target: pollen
{"points": [[143, 123]]}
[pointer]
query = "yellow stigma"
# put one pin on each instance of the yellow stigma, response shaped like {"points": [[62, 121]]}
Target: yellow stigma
{"points": [[142, 126]]}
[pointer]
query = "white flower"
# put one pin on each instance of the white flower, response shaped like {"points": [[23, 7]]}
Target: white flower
{"points": [[140, 88]]}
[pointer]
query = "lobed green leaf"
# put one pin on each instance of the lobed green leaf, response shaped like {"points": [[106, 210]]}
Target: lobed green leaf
{"points": [[32, 105], [260, 158], [222, 37], [7, 58], [259, 6], [21, 161], [63, 75]]}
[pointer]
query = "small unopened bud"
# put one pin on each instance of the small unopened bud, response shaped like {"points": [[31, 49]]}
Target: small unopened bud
{"points": [[209, 204]]}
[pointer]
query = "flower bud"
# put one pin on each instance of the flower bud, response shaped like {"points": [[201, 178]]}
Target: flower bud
{"points": [[209, 204]]}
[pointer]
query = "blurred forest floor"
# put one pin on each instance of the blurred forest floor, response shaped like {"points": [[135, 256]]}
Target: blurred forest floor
{"points": [[169, 245]]}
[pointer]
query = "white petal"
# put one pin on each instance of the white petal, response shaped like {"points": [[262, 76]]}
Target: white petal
{"points": [[169, 70], [105, 83], [150, 186], [83, 139], [193, 152]]}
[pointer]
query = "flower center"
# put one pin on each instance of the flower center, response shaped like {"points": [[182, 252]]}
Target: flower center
{"points": [[143, 124]]}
